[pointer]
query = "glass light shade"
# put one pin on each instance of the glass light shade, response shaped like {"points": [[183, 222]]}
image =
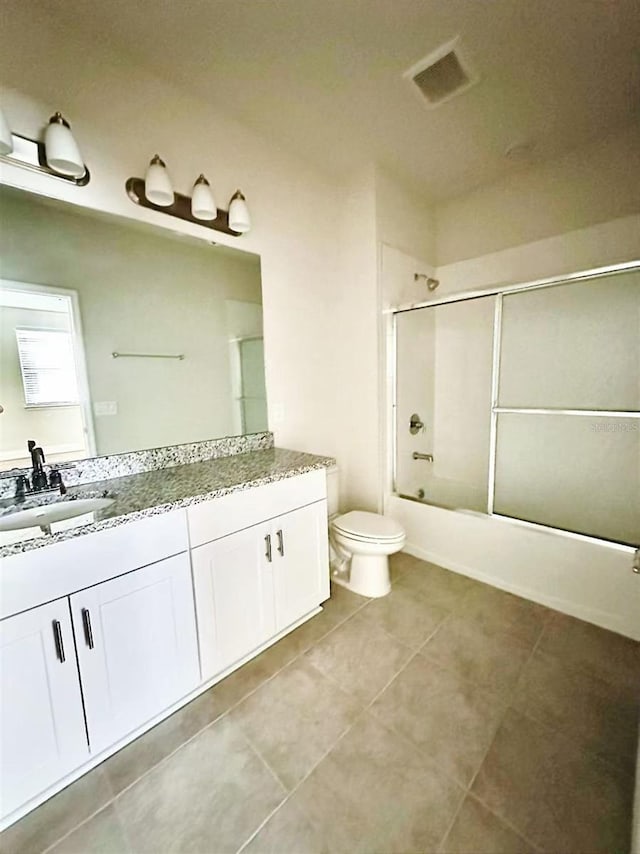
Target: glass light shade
{"points": [[6, 141], [62, 152], [239, 219], [157, 184], [203, 205]]}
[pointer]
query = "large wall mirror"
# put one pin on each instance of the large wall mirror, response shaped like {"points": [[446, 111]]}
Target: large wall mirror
{"points": [[183, 316]]}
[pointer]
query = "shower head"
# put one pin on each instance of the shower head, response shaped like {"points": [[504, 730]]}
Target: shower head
{"points": [[431, 283]]}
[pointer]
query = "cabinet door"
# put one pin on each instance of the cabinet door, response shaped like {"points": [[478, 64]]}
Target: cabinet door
{"points": [[233, 582], [137, 647], [301, 562], [43, 735]]}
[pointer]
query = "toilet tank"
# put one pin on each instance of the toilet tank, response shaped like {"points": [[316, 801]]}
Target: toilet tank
{"points": [[333, 492]]}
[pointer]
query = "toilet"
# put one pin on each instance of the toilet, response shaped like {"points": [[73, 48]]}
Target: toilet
{"points": [[361, 543]]}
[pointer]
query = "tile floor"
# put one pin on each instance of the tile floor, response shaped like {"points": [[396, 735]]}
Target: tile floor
{"points": [[446, 717]]}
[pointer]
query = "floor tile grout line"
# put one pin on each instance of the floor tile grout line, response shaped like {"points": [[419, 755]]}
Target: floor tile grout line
{"points": [[76, 827], [508, 704], [305, 778], [298, 655], [449, 828], [361, 713], [367, 709], [115, 796], [261, 757], [598, 757], [500, 721], [414, 747], [608, 762], [508, 823]]}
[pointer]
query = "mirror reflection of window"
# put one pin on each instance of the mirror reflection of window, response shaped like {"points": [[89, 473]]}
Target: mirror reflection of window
{"points": [[47, 367], [39, 388]]}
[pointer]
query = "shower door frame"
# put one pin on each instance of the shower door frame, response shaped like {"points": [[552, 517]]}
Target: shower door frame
{"points": [[499, 291]]}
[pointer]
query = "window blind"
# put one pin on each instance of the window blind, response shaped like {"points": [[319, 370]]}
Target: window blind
{"points": [[48, 367]]}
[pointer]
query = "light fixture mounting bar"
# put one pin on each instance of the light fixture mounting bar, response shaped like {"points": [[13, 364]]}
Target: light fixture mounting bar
{"points": [[30, 154], [181, 208]]}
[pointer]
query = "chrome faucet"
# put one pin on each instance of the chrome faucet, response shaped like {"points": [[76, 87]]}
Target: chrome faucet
{"points": [[38, 474], [40, 482], [426, 457]]}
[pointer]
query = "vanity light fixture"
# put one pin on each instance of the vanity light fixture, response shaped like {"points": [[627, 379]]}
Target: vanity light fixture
{"points": [[56, 155], [203, 205], [155, 192], [6, 140], [239, 219], [157, 184], [61, 149]]}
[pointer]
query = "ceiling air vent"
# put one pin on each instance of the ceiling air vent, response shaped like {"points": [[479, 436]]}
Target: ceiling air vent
{"points": [[442, 75]]}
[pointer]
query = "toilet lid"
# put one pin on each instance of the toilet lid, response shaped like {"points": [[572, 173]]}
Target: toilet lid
{"points": [[373, 526]]}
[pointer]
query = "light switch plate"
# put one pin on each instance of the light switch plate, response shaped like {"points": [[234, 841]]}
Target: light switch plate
{"points": [[105, 407]]}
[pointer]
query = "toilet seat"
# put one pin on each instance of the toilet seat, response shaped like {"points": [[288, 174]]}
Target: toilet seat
{"points": [[368, 527]]}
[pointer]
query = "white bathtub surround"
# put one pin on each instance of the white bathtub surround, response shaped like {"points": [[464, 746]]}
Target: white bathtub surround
{"points": [[581, 577]]}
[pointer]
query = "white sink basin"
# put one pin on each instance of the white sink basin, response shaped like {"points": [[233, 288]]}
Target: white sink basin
{"points": [[47, 514]]}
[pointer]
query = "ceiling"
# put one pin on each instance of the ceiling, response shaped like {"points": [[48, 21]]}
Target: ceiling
{"points": [[324, 77]]}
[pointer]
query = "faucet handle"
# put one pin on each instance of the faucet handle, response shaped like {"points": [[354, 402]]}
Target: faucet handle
{"points": [[22, 486], [55, 481]]}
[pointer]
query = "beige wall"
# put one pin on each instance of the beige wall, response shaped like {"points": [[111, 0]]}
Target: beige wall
{"points": [[403, 219], [588, 186], [139, 291], [353, 370]]}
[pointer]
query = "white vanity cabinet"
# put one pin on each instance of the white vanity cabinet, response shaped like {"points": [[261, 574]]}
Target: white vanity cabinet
{"points": [[253, 583], [137, 647], [300, 560], [43, 735], [233, 587], [98, 634], [98, 638]]}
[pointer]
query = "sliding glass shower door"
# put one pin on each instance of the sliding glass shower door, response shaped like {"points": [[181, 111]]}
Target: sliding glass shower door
{"points": [[444, 369], [567, 441], [528, 405]]}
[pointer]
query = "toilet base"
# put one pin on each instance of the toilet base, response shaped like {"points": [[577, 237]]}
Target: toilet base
{"points": [[368, 575]]}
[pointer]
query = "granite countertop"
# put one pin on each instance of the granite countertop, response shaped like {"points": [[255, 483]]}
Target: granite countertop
{"points": [[152, 492]]}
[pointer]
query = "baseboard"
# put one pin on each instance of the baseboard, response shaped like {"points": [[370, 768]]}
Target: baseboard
{"points": [[97, 759], [599, 618]]}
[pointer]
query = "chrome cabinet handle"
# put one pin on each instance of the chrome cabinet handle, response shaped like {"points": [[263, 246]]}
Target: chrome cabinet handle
{"points": [[280, 537], [57, 636], [88, 632], [267, 541]]}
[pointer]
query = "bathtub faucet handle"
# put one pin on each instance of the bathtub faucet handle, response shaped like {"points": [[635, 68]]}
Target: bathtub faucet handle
{"points": [[415, 424]]}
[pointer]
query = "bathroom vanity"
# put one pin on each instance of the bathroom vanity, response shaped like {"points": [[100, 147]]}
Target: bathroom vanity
{"points": [[109, 627]]}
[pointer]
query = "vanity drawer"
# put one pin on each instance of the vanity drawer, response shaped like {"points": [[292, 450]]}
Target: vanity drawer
{"points": [[53, 571], [211, 520]]}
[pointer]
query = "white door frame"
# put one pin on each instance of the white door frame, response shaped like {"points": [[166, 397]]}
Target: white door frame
{"points": [[78, 350]]}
